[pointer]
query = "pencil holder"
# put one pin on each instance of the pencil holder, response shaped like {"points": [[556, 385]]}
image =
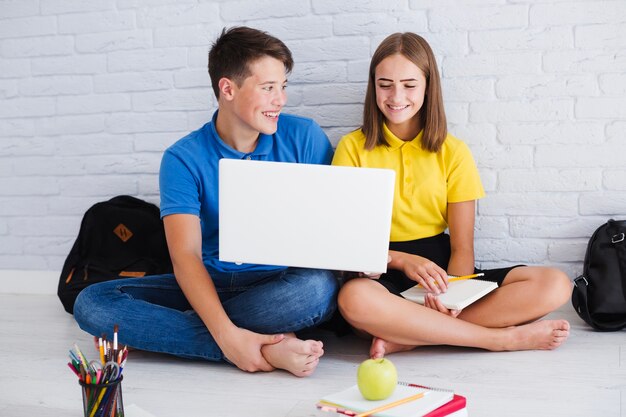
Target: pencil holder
{"points": [[103, 400]]}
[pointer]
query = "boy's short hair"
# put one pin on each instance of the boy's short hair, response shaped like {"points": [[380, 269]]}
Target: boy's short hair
{"points": [[237, 47]]}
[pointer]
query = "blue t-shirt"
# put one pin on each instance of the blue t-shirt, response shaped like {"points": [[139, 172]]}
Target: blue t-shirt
{"points": [[189, 174]]}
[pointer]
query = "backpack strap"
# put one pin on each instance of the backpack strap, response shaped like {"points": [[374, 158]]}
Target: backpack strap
{"points": [[583, 310], [618, 239], [581, 284]]}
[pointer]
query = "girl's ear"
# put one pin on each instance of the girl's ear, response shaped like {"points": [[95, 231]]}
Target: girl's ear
{"points": [[227, 88]]}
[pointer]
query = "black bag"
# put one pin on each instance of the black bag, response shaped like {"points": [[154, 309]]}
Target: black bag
{"points": [[120, 238], [599, 295]]}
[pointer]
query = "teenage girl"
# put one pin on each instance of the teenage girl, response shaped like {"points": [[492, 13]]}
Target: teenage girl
{"points": [[437, 185]]}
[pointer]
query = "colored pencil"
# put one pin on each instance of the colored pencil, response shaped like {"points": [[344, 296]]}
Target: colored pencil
{"points": [[100, 401], [464, 277], [391, 405]]}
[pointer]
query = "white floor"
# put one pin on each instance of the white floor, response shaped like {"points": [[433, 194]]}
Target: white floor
{"points": [[585, 377]]}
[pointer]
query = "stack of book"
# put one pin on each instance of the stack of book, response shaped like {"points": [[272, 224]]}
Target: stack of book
{"points": [[408, 400]]}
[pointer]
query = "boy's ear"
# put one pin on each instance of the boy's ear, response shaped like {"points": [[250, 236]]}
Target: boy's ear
{"points": [[227, 88]]}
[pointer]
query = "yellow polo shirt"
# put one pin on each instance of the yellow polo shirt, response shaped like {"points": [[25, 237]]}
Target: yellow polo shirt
{"points": [[425, 182]]}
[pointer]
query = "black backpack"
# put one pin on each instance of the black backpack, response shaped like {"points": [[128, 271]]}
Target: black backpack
{"points": [[119, 238], [599, 295]]}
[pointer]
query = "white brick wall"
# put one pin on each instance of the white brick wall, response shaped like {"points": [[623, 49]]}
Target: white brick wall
{"points": [[93, 91]]}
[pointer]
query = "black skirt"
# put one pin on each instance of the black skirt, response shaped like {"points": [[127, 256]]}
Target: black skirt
{"points": [[436, 249]]}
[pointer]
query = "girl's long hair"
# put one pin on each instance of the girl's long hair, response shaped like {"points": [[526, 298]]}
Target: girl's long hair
{"points": [[432, 114]]}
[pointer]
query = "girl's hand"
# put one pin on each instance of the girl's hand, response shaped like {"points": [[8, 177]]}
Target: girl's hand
{"points": [[424, 271], [432, 301]]}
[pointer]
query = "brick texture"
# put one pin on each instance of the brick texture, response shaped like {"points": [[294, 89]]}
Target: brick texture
{"points": [[92, 92]]}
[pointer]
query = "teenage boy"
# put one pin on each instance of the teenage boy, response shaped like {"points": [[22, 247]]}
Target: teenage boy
{"points": [[244, 314]]}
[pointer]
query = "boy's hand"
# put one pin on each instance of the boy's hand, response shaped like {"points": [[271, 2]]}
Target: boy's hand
{"points": [[243, 348], [373, 275]]}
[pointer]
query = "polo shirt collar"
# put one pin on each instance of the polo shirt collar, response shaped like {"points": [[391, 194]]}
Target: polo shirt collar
{"points": [[395, 142], [263, 147]]}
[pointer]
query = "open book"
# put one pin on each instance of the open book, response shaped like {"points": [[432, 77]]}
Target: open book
{"points": [[459, 295], [351, 402]]}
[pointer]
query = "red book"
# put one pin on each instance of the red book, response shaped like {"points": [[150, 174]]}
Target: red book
{"points": [[351, 403], [457, 403]]}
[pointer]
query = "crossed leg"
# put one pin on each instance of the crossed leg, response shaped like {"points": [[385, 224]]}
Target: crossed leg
{"points": [[503, 320]]}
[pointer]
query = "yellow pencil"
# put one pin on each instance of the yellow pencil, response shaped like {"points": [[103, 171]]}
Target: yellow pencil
{"points": [[391, 405], [452, 278], [96, 404], [101, 351], [462, 277]]}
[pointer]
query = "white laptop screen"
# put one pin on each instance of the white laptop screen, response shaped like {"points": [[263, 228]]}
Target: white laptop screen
{"points": [[302, 215]]}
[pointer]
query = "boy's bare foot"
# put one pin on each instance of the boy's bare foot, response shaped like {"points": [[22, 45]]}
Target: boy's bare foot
{"points": [[381, 347], [544, 335], [300, 357]]}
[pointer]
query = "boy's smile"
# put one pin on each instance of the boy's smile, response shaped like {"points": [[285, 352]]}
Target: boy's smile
{"points": [[261, 96]]}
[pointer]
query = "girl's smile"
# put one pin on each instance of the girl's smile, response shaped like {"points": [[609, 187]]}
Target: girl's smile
{"points": [[400, 90]]}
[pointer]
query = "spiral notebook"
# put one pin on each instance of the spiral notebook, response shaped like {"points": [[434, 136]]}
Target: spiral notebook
{"points": [[351, 400], [459, 295]]}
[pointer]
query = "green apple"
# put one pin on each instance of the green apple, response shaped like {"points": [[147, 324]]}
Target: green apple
{"points": [[376, 378]]}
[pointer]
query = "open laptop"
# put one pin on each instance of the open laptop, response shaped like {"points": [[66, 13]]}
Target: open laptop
{"points": [[303, 215]]}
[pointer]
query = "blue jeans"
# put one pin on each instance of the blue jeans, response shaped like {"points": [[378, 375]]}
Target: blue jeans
{"points": [[153, 314]]}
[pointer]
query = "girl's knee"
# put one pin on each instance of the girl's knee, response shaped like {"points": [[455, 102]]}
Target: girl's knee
{"points": [[562, 285], [352, 298], [556, 287], [550, 287]]}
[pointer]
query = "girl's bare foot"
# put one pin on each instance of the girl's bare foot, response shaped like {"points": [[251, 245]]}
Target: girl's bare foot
{"points": [[539, 335], [544, 335], [300, 357], [381, 347]]}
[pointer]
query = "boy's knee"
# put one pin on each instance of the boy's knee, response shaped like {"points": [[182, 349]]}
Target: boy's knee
{"points": [[82, 310], [90, 309], [324, 284], [317, 290]]}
